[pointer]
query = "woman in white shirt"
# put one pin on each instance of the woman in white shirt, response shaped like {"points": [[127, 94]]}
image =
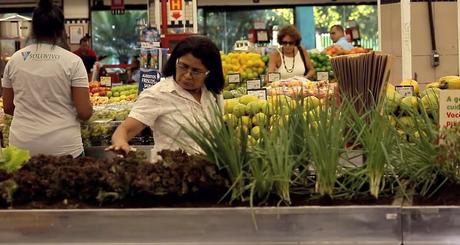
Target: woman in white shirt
{"points": [[45, 88], [291, 60], [190, 92]]}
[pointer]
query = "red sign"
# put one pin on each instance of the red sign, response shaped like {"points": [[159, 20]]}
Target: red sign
{"points": [[118, 4], [176, 14], [175, 4]]}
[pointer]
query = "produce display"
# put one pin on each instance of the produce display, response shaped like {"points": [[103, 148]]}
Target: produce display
{"points": [[101, 95], [334, 51], [320, 62], [105, 119], [401, 109], [299, 86], [299, 144], [258, 154], [249, 65]]}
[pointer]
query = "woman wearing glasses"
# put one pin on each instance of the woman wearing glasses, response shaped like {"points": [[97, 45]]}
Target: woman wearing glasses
{"points": [[190, 92], [291, 59]]}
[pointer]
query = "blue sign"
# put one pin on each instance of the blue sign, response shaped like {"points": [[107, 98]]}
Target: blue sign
{"points": [[149, 77]]}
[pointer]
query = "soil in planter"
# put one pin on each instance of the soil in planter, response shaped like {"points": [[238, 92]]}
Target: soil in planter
{"points": [[198, 200], [449, 194]]}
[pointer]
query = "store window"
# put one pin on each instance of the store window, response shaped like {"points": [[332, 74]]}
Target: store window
{"points": [[116, 36], [226, 27], [366, 16]]}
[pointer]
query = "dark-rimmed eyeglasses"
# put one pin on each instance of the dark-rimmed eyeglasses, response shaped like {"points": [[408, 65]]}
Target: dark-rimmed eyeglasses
{"points": [[286, 43], [196, 73]]}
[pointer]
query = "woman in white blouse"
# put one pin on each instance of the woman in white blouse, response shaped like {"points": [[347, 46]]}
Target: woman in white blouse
{"points": [[190, 92]]}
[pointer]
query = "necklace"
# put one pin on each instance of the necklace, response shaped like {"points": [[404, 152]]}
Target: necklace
{"points": [[284, 61]]}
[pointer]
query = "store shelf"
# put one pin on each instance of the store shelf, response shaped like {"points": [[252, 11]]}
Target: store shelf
{"points": [[287, 225]]}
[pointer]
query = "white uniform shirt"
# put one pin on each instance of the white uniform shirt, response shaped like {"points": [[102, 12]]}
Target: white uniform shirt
{"points": [[298, 68], [45, 118], [166, 106]]}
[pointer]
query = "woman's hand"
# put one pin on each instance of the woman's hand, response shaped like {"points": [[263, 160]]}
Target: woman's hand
{"points": [[121, 148], [129, 128]]}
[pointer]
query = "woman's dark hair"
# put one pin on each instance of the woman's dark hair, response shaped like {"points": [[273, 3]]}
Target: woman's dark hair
{"points": [[205, 50], [48, 22], [289, 30]]}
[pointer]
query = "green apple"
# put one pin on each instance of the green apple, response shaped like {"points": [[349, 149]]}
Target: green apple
{"points": [[310, 102], [246, 121], [260, 119], [409, 104], [231, 120], [239, 110], [229, 105], [255, 132], [253, 108]]}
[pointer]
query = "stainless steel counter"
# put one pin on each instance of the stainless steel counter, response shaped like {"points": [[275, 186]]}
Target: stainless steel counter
{"points": [[431, 225], [289, 225]]}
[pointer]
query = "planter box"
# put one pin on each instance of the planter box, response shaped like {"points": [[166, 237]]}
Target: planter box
{"points": [[284, 225], [431, 225]]}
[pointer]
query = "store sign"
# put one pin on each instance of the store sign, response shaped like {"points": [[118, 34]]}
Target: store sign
{"points": [[118, 6], [253, 84], [405, 90], [259, 93], [274, 76], [175, 5], [449, 108], [149, 77], [259, 24], [175, 9], [322, 76], [106, 81], [234, 78], [150, 45]]}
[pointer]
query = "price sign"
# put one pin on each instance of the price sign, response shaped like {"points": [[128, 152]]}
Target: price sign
{"points": [[404, 90], [234, 78], [322, 76], [449, 108], [259, 93], [274, 76], [106, 81], [253, 84]]}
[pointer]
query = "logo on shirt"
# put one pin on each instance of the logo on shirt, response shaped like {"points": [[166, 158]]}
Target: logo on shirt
{"points": [[44, 57], [25, 55], [39, 57]]}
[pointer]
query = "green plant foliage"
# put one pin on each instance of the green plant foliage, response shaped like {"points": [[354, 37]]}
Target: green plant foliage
{"points": [[13, 158], [223, 147], [116, 35], [364, 15]]}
